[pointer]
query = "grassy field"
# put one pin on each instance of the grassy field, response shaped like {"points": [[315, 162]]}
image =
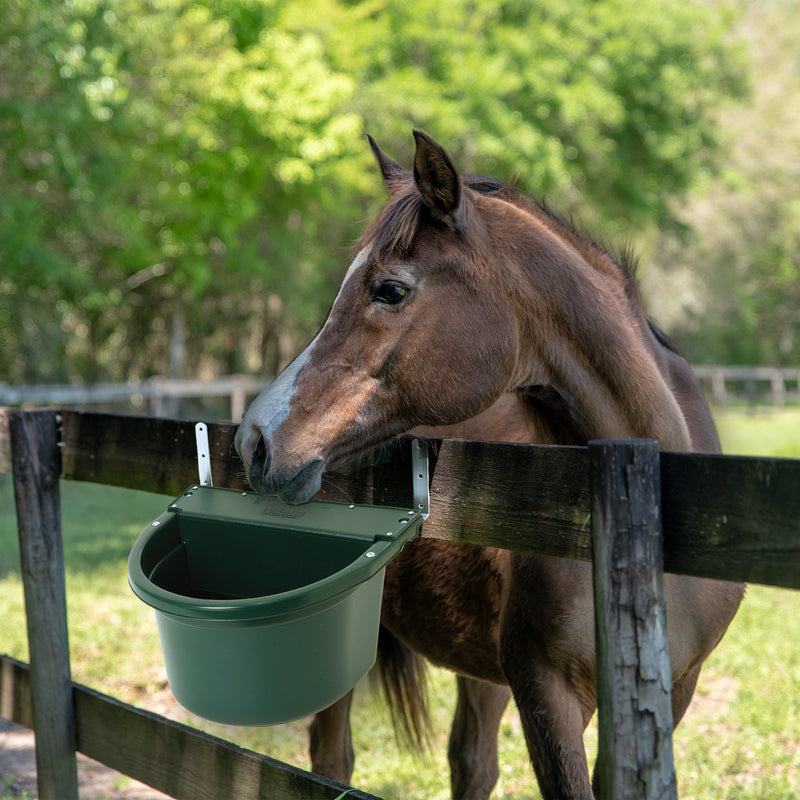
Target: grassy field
{"points": [[740, 739], [750, 433]]}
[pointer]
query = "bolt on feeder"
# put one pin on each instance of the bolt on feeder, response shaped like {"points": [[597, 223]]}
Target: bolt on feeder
{"points": [[268, 612]]}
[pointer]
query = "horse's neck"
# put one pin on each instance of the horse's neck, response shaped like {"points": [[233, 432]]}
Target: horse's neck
{"points": [[587, 340], [554, 416]]}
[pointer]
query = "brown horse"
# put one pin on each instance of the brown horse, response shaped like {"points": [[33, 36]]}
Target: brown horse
{"points": [[472, 312]]}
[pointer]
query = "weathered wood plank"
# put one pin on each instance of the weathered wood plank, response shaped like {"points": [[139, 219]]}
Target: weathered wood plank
{"points": [[522, 497], [160, 456], [37, 466], [187, 764], [175, 759], [634, 679], [731, 517], [726, 517], [155, 455], [5, 442], [517, 497], [70, 394], [15, 691]]}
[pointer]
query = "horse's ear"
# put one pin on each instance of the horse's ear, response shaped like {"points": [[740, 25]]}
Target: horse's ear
{"points": [[390, 170], [437, 179]]}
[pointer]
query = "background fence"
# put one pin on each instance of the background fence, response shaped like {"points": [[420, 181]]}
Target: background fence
{"points": [[726, 517], [724, 386], [226, 398], [157, 397]]}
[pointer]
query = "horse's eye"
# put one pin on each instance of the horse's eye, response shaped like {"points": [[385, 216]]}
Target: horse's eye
{"points": [[390, 292]]}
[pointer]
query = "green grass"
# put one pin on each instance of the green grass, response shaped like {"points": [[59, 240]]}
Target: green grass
{"points": [[9, 791], [760, 434], [739, 741]]}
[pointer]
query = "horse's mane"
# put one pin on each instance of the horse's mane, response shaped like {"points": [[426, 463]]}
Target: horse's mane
{"points": [[396, 225], [624, 258]]}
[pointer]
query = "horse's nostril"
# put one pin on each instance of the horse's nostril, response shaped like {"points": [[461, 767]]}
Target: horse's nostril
{"points": [[261, 455]]}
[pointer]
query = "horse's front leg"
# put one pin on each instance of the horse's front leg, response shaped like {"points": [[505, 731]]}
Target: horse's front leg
{"points": [[553, 724], [331, 743], [473, 738], [546, 650]]}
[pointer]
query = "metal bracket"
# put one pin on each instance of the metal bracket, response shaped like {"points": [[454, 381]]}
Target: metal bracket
{"points": [[420, 485], [203, 454], [419, 465]]}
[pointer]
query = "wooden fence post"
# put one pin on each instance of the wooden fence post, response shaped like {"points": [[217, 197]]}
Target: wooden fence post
{"points": [[36, 465], [633, 670]]}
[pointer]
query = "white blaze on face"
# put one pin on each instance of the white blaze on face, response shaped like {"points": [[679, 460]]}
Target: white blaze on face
{"points": [[272, 406], [358, 262]]}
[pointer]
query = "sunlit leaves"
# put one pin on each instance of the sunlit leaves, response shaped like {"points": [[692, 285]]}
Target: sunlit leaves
{"points": [[159, 153]]}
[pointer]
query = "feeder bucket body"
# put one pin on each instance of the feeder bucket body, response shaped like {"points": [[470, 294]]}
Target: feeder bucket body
{"points": [[266, 612]]}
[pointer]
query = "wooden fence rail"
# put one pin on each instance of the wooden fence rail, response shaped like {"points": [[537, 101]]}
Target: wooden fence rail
{"points": [[725, 517], [724, 385], [161, 394], [174, 759]]}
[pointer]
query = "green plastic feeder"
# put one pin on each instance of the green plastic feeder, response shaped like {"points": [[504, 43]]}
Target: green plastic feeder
{"points": [[266, 612]]}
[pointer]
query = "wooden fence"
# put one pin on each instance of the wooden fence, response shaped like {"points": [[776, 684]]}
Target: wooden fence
{"points": [[722, 385], [726, 385], [725, 517], [161, 396]]}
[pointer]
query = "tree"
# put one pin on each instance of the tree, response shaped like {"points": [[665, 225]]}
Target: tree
{"points": [[730, 289], [175, 175], [190, 172], [43, 114], [599, 105]]}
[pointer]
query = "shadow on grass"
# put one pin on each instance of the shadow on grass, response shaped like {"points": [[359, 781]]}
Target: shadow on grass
{"points": [[99, 524]]}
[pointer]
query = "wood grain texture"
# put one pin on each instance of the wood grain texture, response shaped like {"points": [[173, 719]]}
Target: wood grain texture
{"points": [[634, 679], [732, 517], [155, 455], [175, 759], [729, 517], [15, 691], [36, 466]]}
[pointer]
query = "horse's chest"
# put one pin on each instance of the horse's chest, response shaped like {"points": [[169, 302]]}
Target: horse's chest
{"points": [[445, 601]]}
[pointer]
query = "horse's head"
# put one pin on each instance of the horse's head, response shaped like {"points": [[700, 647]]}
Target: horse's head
{"points": [[419, 334]]}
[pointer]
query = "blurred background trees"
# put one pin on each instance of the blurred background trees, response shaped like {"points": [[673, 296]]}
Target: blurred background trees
{"points": [[181, 180], [730, 285]]}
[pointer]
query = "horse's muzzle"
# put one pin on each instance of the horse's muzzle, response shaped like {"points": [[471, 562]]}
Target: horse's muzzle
{"points": [[291, 483]]}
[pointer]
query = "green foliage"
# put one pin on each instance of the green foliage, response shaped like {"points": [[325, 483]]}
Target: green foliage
{"points": [[732, 287], [610, 100], [185, 175]]}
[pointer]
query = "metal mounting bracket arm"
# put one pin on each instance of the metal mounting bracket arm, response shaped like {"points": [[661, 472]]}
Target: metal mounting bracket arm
{"points": [[420, 483], [203, 454]]}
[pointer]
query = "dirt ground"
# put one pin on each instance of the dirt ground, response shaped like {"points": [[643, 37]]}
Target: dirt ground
{"points": [[96, 782]]}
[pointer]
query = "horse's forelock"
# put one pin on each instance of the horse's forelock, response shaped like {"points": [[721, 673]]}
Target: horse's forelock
{"points": [[394, 230], [395, 227]]}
